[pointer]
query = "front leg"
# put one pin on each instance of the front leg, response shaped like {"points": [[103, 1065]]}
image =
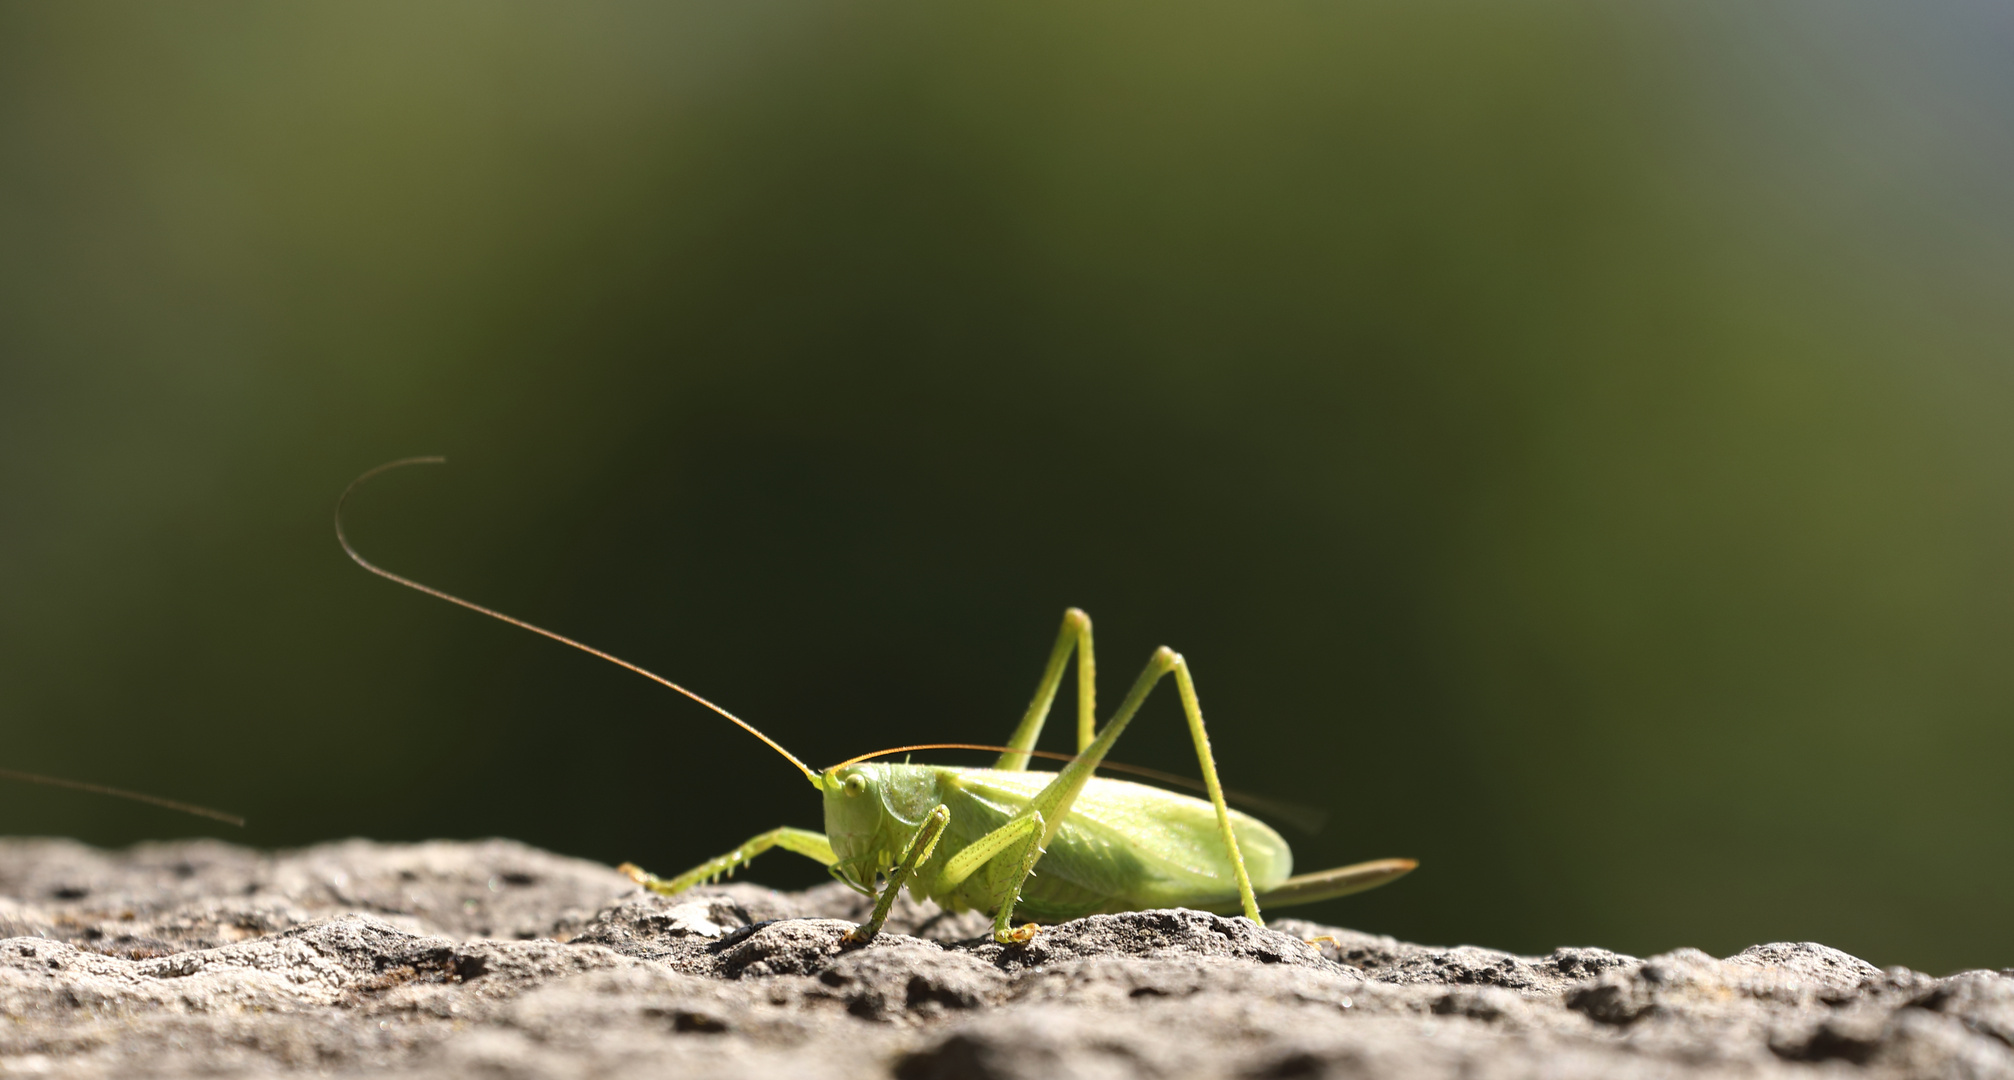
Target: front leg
{"points": [[918, 853], [811, 845]]}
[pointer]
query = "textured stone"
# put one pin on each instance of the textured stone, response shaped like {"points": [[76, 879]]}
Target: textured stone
{"points": [[495, 959]]}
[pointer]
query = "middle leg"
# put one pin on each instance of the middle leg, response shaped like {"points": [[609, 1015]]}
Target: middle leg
{"points": [[1024, 835]]}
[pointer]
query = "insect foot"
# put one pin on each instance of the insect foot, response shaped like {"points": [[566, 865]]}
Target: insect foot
{"points": [[1020, 935], [649, 880]]}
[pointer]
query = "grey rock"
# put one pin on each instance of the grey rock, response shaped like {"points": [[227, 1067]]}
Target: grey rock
{"points": [[495, 959]]}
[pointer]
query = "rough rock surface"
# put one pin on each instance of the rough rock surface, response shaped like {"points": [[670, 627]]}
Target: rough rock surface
{"points": [[495, 959]]}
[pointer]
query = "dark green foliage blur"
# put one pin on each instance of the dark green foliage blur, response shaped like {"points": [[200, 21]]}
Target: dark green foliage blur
{"points": [[1571, 441]]}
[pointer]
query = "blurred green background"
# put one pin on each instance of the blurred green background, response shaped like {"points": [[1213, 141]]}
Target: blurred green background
{"points": [[1569, 440]]}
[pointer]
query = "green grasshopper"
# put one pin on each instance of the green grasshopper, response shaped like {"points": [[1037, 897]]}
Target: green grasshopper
{"points": [[972, 838]]}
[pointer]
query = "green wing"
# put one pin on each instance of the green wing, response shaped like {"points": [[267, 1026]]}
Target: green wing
{"points": [[1124, 846]]}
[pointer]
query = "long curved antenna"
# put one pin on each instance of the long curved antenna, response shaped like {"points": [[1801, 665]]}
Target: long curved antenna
{"points": [[539, 630], [121, 793], [1308, 819]]}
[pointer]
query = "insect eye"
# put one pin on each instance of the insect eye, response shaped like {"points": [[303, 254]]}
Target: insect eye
{"points": [[856, 784]]}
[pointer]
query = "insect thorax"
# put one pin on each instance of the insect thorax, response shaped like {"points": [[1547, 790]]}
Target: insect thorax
{"points": [[873, 809]]}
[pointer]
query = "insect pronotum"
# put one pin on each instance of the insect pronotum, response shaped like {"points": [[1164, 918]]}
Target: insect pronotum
{"points": [[973, 838]]}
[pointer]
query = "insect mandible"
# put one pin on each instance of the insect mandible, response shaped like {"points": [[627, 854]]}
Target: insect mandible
{"points": [[973, 838]]}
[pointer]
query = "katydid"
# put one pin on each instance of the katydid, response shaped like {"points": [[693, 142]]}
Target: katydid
{"points": [[972, 838]]}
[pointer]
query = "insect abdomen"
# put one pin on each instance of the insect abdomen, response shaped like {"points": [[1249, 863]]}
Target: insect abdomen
{"points": [[1123, 847]]}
